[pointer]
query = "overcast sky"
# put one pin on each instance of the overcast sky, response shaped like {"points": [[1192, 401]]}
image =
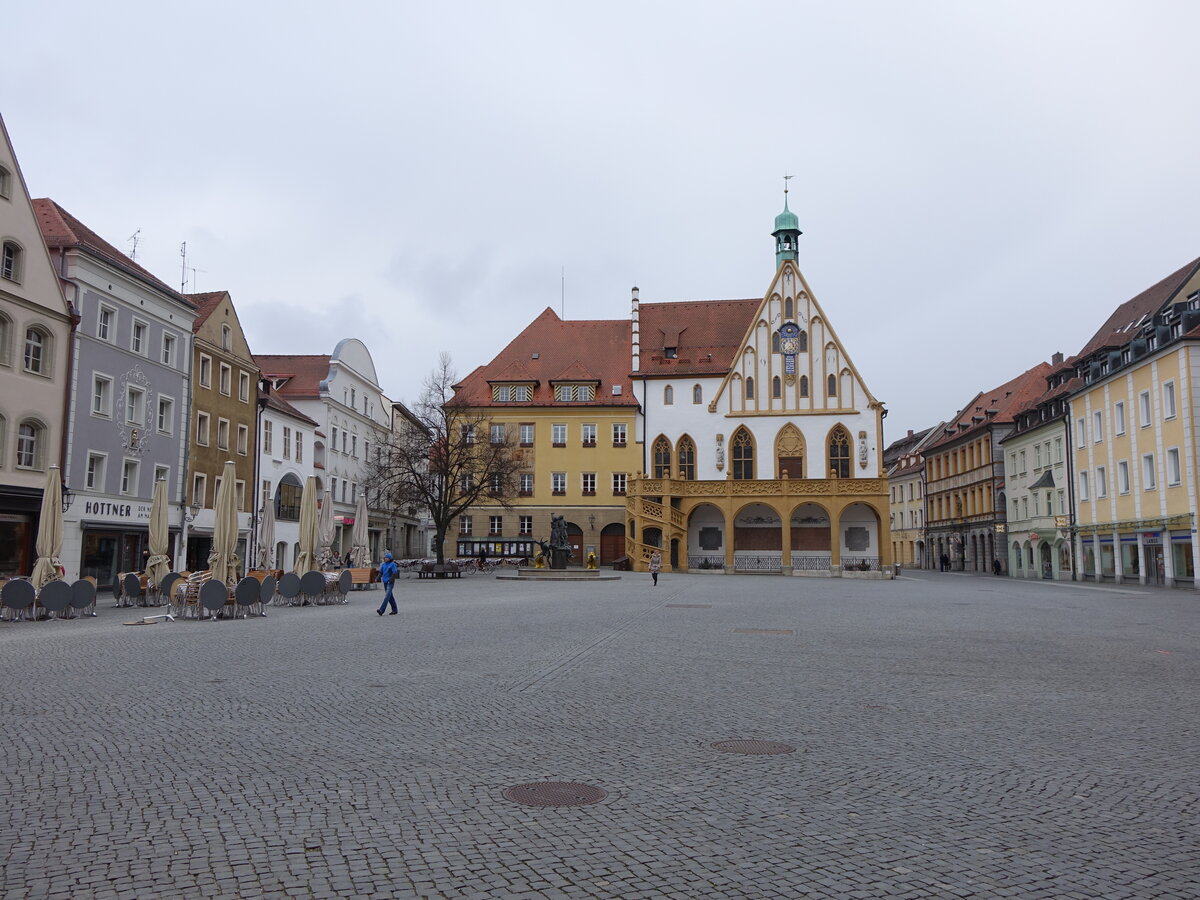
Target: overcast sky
{"points": [[979, 184]]}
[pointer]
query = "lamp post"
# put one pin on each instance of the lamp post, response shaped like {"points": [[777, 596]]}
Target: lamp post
{"points": [[68, 497], [264, 387]]}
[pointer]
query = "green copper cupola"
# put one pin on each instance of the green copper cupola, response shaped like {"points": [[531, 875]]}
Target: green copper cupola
{"points": [[787, 234]]}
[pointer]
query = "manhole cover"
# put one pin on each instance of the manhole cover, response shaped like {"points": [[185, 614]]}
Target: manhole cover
{"points": [[689, 606], [554, 793], [764, 631], [754, 748]]}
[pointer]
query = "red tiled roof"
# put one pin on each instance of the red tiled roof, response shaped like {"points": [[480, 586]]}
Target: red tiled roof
{"points": [[549, 347], [205, 304], [60, 229], [304, 374], [1005, 400], [696, 329], [277, 403], [1119, 327]]}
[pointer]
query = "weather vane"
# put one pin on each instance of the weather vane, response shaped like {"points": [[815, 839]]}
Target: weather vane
{"points": [[786, 179]]}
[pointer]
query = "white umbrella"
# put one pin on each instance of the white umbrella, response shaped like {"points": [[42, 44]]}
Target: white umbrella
{"points": [[223, 559], [305, 561], [325, 530], [50, 532], [266, 537], [358, 541], [159, 563]]}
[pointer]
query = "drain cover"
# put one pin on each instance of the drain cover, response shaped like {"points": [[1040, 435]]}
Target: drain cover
{"points": [[554, 793], [753, 748]]}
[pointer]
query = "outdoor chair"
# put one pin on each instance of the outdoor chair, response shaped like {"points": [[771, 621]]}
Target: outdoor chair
{"points": [[131, 590], [266, 594], [17, 597], [55, 598], [83, 596], [312, 586], [289, 588], [213, 596], [247, 593]]}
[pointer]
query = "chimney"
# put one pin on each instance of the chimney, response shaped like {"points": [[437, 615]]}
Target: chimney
{"points": [[636, 333], [910, 432], [1056, 359]]}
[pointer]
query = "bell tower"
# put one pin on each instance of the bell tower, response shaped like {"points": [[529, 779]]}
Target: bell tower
{"points": [[787, 232]]}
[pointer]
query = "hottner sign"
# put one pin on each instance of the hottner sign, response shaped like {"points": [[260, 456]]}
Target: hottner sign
{"points": [[117, 511]]}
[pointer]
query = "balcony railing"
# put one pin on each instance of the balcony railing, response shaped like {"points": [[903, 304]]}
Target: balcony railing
{"points": [[748, 562], [812, 563], [707, 561]]}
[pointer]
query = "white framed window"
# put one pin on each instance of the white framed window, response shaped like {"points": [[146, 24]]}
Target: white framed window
{"points": [[1081, 432], [1084, 493], [226, 385], [226, 337], [464, 524], [5, 183], [1036, 505], [697, 394], [558, 435], [354, 446], [668, 395], [618, 483], [161, 473], [94, 479], [1173, 471], [526, 482], [11, 262], [1037, 456], [135, 406], [137, 342], [468, 436], [129, 476], [243, 387], [495, 526], [526, 526], [202, 421], [1119, 417], [588, 483], [589, 435], [166, 414], [37, 351], [333, 444], [239, 495], [1148, 479], [299, 444], [618, 434], [106, 321], [168, 350], [223, 434], [333, 484], [1098, 426], [1123, 477], [526, 431], [199, 488], [1168, 399], [243, 439], [267, 436], [558, 482], [205, 370], [1058, 449], [287, 442], [102, 396], [1144, 409], [496, 434], [1022, 458], [1101, 482]]}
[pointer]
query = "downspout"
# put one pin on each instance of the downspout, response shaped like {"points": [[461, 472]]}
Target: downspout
{"points": [[72, 353], [1071, 495], [181, 550]]}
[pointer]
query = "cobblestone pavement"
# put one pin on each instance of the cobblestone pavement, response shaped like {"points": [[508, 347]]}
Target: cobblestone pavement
{"points": [[955, 737]]}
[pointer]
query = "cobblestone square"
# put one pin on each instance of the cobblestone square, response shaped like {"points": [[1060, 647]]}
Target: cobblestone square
{"points": [[954, 736]]}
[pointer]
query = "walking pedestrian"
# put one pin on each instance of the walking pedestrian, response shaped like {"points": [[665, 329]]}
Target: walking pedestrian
{"points": [[387, 574], [655, 566]]}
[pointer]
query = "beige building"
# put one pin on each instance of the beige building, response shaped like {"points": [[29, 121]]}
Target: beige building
{"points": [[906, 496], [36, 324]]}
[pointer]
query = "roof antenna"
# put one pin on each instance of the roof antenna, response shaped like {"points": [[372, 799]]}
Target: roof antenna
{"points": [[183, 272], [133, 239], [562, 295]]}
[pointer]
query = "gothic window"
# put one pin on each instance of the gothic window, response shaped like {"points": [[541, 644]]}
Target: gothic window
{"points": [[742, 450], [697, 394], [687, 459], [839, 453], [788, 309], [668, 395], [831, 386], [662, 458], [803, 341], [776, 388], [803, 385], [750, 387], [775, 342]]}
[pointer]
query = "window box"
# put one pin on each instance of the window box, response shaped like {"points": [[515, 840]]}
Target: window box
{"points": [[558, 493], [589, 493], [618, 493], [558, 445]]}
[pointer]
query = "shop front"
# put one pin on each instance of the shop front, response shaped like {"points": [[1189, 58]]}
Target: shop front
{"points": [[113, 538]]}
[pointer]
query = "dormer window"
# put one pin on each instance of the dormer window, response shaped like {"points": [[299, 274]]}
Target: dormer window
{"points": [[510, 393], [574, 393], [670, 352]]}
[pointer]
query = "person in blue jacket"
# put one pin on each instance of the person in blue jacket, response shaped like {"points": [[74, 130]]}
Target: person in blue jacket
{"points": [[387, 574]]}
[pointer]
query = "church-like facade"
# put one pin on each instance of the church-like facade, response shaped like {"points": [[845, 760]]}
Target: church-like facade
{"points": [[762, 445]]}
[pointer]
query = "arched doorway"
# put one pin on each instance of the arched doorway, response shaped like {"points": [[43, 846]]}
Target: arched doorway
{"points": [[612, 543], [858, 534], [706, 538], [1047, 566], [812, 538], [757, 539], [789, 452], [575, 539]]}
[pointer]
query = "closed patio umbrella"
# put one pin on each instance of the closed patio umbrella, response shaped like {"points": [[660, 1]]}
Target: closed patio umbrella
{"points": [[306, 561], [223, 559], [50, 532], [325, 531], [266, 537], [358, 542], [159, 563]]}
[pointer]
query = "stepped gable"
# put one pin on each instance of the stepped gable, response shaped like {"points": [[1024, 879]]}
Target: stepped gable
{"points": [[1000, 404], [696, 328], [304, 374], [548, 348], [1122, 325], [61, 230]]}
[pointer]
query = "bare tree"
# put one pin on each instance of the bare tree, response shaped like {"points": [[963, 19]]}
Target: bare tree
{"points": [[444, 458]]}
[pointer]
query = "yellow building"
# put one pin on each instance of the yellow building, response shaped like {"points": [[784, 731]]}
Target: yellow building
{"points": [[1133, 438], [906, 496], [561, 392]]}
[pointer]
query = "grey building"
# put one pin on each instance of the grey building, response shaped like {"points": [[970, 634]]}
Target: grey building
{"points": [[128, 415]]}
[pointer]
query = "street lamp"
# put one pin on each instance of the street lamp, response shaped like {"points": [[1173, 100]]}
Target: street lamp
{"points": [[68, 497], [194, 509]]}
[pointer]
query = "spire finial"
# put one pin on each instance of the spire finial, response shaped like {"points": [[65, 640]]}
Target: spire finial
{"points": [[786, 179]]}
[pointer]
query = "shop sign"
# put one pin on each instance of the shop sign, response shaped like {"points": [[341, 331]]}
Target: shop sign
{"points": [[1151, 537], [1033, 537], [117, 512], [1001, 527], [1061, 521]]}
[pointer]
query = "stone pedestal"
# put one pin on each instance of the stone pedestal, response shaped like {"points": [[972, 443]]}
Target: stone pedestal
{"points": [[559, 557]]}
